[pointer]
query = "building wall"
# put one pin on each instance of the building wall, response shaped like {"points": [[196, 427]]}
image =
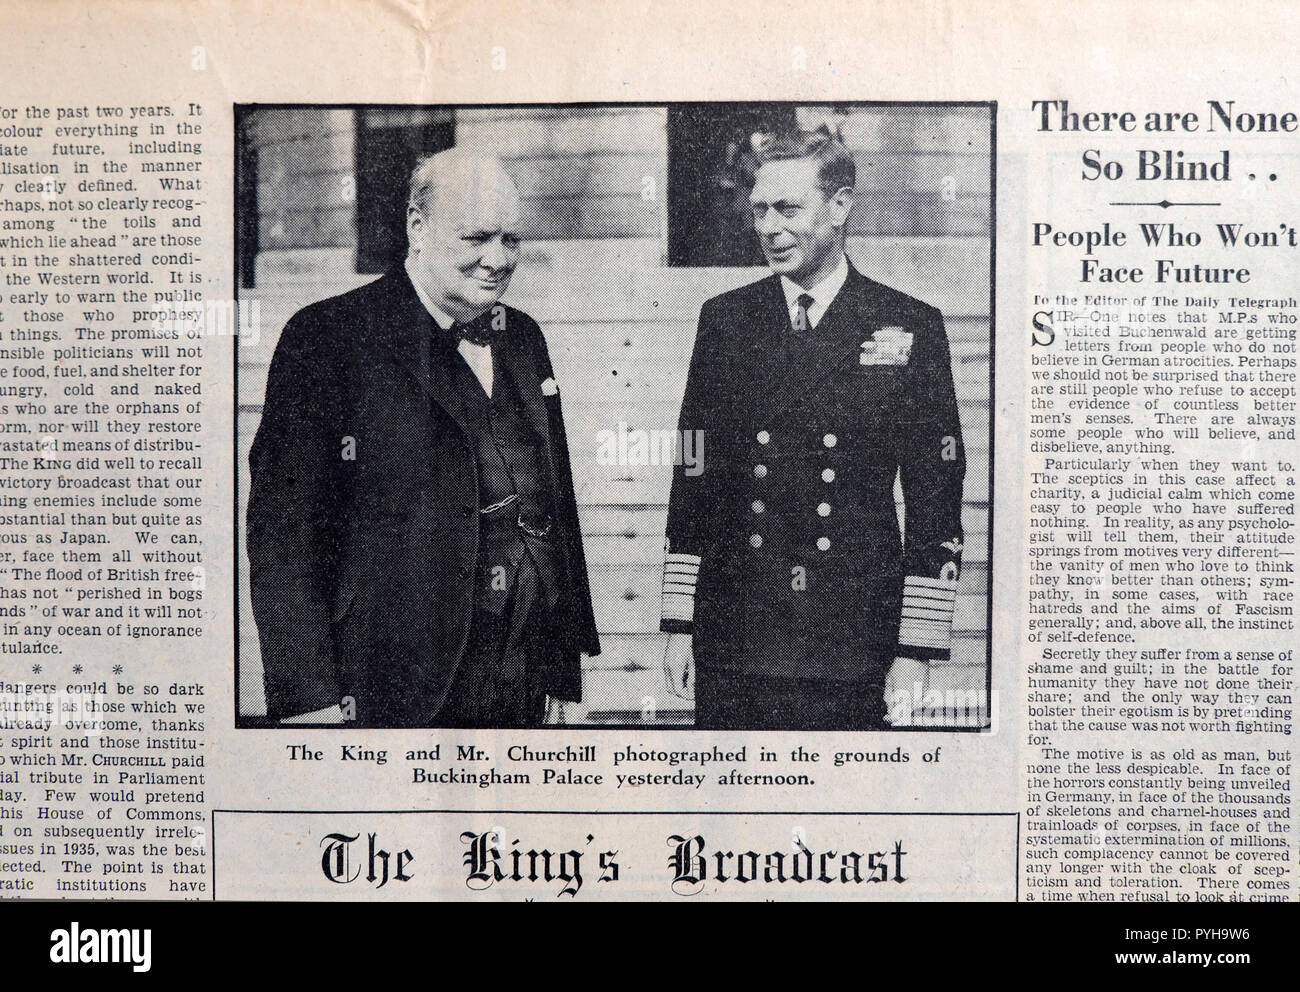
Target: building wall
{"points": [[620, 324], [304, 163]]}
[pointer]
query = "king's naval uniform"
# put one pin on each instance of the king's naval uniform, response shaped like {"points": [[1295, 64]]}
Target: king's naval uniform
{"points": [[784, 557]]}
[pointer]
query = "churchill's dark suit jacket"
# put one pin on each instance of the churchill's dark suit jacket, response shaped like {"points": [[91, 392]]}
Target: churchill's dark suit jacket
{"points": [[784, 556], [363, 518]]}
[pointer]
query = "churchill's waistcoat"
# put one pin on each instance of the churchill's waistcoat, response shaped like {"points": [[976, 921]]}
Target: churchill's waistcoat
{"points": [[515, 511]]}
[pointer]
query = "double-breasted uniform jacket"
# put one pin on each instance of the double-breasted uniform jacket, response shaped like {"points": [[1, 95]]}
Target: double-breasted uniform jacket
{"points": [[784, 556], [363, 516]]}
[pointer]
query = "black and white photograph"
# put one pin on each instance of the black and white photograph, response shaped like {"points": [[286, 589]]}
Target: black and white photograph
{"points": [[671, 415]]}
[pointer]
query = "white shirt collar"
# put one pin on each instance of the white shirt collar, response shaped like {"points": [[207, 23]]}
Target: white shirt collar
{"points": [[444, 319], [478, 356], [823, 293]]}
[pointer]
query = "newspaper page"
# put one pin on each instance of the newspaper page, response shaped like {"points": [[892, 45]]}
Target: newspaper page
{"points": [[582, 452]]}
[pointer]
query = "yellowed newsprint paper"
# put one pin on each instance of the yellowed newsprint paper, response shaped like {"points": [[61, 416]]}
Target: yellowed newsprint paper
{"points": [[577, 452]]}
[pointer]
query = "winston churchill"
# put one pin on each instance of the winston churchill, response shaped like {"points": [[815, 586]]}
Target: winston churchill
{"points": [[413, 540]]}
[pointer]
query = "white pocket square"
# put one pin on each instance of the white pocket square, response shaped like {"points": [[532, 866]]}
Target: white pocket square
{"points": [[549, 388]]}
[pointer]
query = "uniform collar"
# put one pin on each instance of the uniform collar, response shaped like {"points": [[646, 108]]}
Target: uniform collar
{"points": [[823, 293]]}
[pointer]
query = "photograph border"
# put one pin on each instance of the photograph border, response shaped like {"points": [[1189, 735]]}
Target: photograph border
{"points": [[242, 110]]}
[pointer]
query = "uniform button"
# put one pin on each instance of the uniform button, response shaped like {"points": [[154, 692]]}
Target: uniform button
{"points": [[830, 440], [760, 471], [823, 509], [764, 437], [756, 540], [828, 475], [463, 573], [823, 544], [757, 506], [465, 511]]}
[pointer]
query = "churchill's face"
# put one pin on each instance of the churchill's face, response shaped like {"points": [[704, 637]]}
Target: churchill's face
{"points": [[465, 237], [799, 227]]}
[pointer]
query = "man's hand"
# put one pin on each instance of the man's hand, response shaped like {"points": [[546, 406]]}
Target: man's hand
{"points": [[330, 714], [679, 666], [904, 690]]}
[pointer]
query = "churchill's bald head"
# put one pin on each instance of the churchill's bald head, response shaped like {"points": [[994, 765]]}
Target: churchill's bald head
{"points": [[462, 224], [461, 175]]}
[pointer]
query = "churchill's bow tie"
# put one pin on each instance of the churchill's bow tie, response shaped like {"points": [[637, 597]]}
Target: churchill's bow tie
{"points": [[478, 331]]}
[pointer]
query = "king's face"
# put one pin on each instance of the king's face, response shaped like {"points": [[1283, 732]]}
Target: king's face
{"points": [[794, 220]]}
